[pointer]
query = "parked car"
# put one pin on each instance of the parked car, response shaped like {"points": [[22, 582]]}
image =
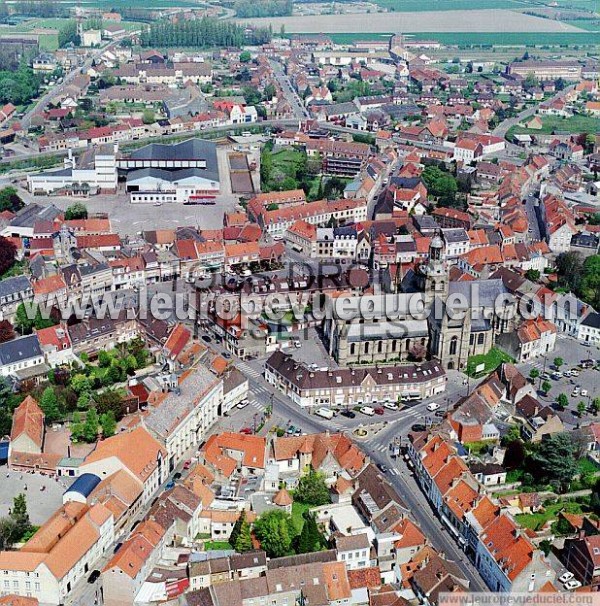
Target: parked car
{"points": [[350, 414], [169, 485], [575, 391], [390, 406], [187, 464], [572, 584], [92, 578], [418, 427], [226, 355], [566, 576], [433, 406], [243, 403], [584, 393], [367, 410], [383, 468], [246, 431], [290, 430], [206, 339], [379, 410], [177, 475], [325, 412]]}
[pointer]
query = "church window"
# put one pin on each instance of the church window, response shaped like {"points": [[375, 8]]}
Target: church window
{"points": [[471, 339], [480, 338], [353, 349], [367, 347], [379, 346], [453, 345]]}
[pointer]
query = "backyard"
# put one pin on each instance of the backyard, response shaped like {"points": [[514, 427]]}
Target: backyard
{"points": [[491, 361], [535, 521]]}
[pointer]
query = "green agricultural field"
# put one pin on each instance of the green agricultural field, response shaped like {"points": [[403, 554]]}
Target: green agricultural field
{"points": [[551, 124], [487, 39], [591, 25]]}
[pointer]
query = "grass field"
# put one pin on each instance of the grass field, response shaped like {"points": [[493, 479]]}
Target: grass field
{"points": [[536, 520], [551, 124], [591, 25], [410, 6], [492, 360], [298, 510]]}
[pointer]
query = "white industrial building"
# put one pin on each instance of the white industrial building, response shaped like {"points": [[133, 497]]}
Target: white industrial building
{"points": [[153, 185], [94, 172]]}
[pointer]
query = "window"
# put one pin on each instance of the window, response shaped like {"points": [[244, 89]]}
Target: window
{"points": [[453, 345], [480, 338]]}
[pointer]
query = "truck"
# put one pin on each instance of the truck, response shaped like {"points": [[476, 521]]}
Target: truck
{"points": [[325, 412]]}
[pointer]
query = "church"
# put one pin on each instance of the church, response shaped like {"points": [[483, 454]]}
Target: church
{"points": [[432, 317]]}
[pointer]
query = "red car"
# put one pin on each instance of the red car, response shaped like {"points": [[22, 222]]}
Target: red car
{"points": [[379, 410], [247, 430], [187, 464]]}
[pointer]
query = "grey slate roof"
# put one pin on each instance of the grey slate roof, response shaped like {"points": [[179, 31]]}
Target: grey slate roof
{"points": [[176, 175], [186, 150], [13, 286], [481, 292], [19, 350]]}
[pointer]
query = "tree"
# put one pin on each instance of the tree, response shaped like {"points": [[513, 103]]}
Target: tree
{"points": [[108, 424], [245, 57], [595, 498], [562, 401], [10, 199], [312, 489], [275, 531], [67, 34], [90, 427], [558, 362], [7, 533], [20, 517], [235, 531], [113, 374], [104, 359], [49, 404], [596, 405], [581, 408], [109, 400], [80, 383], [83, 401], [569, 267], [243, 539], [531, 81], [310, 539], [534, 373], [533, 274], [7, 332], [513, 433], [546, 547], [514, 455], [417, 351], [8, 254], [76, 211], [148, 117], [554, 462], [546, 387]]}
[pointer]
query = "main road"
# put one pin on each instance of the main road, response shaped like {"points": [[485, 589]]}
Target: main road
{"points": [[290, 94], [377, 447]]}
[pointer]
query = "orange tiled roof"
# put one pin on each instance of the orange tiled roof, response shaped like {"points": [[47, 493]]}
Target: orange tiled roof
{"points": [[28, 419]]}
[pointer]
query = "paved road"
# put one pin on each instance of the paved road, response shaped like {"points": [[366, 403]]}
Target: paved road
{"points": [[290, 94]]}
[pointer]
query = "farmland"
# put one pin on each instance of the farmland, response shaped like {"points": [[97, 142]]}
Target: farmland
{"points": [[434, 21], [551, 124]]}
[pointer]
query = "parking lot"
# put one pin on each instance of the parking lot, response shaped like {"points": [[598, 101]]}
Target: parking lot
{"points": [[41, 504], [586, 382]]}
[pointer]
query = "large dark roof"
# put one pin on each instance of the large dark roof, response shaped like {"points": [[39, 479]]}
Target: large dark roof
{"points": [[84, 484], [14, 285], [176, 175], [20, 349], [192, 149]]}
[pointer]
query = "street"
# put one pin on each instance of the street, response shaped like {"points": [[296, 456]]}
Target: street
{"points": [[290, 94]]}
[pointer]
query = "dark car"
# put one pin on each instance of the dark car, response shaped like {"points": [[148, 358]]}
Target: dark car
{"points": [[94, 576], [169, 485], [379, 410], [383, 468], [418, 427], [206, 339], [350, 414], [226, 355], [177, 475]]}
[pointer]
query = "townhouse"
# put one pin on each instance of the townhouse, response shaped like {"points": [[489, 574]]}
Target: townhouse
{"points": [[503, 555], [13, 292], [534, 337], [559, 224]]}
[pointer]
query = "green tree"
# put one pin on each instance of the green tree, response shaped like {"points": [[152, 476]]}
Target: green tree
{"points": [[554, 462], [275, 531], [49, 404], [20, 517], [90, 427], [108, 424], [104, 359], [513, 433], [76, 211], [10, 199], [514, 456], [312, 489], [243, 541], [7, 533], [596, 405], [533, 274], [113, 373], [569, 267], [148, 117], [562, 401], [80, 383], [310, 539], [581, 408], [558, 362], [245, 57], [534, 373], [546, 387]]}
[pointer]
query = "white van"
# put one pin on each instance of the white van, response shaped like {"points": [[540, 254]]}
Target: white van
{"points": [[324, 412], [367, 410]]}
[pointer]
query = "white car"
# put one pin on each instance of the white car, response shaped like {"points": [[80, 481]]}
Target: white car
{"points": [[243, 404], [572, 584], [390, 406], [567, 576], [575, 391], [367, 410], [433, 406], [584, 393]]}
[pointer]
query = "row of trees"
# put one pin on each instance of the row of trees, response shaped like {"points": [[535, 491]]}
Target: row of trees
{"points": [[40, 8], [263, 8], [201, 33], [68, 34]]}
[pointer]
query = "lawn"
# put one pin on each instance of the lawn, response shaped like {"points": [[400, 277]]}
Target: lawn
{"points": [[492, 360], [587, 466], [18, 269], [551, 124], [217, 545], [535, 521], [298, 510]]}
